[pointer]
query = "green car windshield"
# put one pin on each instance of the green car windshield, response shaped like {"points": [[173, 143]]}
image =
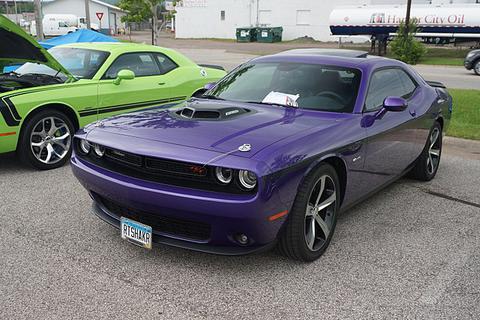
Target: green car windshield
{"points": [[81, 63]]}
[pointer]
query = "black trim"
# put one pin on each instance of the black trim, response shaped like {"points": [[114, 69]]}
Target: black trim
{"points": [[212, 66], [9, 112], [91, 112]]}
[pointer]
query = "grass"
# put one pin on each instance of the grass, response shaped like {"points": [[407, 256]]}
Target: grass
{"points": [[465, 121], [442, 61], [447, 56]]}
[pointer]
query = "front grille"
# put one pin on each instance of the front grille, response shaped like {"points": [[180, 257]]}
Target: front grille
{"points": [[161, 224], [171, 172]]}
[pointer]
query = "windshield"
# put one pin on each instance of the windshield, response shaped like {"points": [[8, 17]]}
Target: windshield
{"points": [[308, 86], [82, 63]]}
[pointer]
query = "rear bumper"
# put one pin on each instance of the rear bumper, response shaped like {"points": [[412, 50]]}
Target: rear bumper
{"points": [[226, 215]]}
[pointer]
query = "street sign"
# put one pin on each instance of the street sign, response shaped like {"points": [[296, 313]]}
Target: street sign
{"points": [[99, 15]]}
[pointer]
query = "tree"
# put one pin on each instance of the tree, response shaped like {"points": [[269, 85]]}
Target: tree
{"points": [[143, 10], [405, 47]]}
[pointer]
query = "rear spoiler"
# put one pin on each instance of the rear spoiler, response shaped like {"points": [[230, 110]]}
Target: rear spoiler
{"points": [[212, 66], [436, 84]]}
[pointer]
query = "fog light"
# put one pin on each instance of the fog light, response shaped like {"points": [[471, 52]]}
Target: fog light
{"points": [[241, 238]]}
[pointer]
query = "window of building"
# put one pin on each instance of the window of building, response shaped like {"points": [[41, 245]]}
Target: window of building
{"points": [[303, 17], [265, 17], [222, 15]]}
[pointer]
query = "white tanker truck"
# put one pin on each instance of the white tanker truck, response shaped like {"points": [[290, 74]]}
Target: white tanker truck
{"points": [[436, 24]]}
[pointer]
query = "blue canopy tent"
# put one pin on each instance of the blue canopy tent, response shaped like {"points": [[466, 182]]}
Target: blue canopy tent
{"points": [[82, 35]]}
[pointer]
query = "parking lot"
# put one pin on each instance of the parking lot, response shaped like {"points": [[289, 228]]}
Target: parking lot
{"points": [[411, 251]]}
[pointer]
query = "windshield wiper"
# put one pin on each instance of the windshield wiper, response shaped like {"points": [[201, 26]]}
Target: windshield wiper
{"points": [[271, 104], [211, 97]]}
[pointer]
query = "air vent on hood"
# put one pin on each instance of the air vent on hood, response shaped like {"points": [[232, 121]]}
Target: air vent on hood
{"points": [[211, 113]]}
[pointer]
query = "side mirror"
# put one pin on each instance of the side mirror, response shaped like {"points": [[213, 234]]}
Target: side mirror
{"points": [[124, 75], [209, 86], [395, 104]]}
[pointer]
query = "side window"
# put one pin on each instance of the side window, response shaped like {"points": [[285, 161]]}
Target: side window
{"points": [[165, 63], [385, 83], [142, 64], [408, 84]]}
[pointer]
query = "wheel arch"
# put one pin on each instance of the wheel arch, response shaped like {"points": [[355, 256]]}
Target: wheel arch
{"points": [[58, 106], [440, 121], [340, 167], [68, 110]]}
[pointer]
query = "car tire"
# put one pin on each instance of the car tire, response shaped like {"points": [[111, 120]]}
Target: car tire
{"points": [[476, 67], [426, 166], [297, 241], [45, 147]]}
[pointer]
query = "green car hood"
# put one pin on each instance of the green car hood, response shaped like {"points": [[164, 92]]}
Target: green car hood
{"points": [[18, 47]]}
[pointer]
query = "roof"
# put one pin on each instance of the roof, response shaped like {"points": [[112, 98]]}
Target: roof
{"points": [[333, 57], [105, 4], [123, 47], [328, 52]]}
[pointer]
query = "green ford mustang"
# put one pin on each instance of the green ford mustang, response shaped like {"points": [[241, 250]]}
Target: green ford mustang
{"points": [[58, 91]]}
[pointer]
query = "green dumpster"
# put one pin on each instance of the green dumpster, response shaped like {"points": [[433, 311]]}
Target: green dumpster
{"points": [[247, 34], [269, 34]]}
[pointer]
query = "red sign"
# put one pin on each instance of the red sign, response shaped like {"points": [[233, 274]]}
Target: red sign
{"points": [[99, 15]]}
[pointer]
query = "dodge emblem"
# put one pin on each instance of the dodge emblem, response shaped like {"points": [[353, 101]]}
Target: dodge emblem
{"points": [[245, 147]]}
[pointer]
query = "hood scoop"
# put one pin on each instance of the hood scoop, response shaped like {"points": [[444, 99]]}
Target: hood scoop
{"points": [[211, 113]]}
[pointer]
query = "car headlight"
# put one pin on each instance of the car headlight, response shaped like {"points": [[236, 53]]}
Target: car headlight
{"points": [[224, 175], [248, 179], [84, 146], [99, 150]]}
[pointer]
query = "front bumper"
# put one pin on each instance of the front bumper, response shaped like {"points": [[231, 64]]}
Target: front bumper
{"points": [[467, 65], [227, 215]]}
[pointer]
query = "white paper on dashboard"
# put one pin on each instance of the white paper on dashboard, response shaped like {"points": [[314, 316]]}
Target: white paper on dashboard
{"points": [[282, 98]]}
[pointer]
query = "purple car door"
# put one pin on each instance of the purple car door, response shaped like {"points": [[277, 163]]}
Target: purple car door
{"points": [[391, 137]]}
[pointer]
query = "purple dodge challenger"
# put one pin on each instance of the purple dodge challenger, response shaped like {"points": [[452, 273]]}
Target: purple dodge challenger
{"points": [[268, 156]]}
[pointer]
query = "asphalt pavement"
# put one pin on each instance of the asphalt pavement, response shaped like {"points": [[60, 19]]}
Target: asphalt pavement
{"points": [[411, 251]]}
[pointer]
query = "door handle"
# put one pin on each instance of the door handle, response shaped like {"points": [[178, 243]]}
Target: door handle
{"points": [[161, 83]]}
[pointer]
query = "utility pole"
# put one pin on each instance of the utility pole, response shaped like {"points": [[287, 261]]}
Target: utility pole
{"points": [[38, 19], [87, 14], [16, 11], [407, 17], [258, 12]]}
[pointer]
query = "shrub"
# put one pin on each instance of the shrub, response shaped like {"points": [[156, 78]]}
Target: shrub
{"points": [[405, 47]]}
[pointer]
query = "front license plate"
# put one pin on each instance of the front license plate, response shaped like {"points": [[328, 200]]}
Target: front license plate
{"points": [[136, 233]]}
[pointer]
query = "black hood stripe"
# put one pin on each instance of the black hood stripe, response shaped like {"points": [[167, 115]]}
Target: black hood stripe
{"points": [[9, 112], [91, 112]]}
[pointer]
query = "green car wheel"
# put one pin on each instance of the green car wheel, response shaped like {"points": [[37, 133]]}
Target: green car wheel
{"points": [[46, 139]]}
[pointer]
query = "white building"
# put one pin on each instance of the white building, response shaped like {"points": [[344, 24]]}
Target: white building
{"points": [[111, 15], [220, 18]]}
